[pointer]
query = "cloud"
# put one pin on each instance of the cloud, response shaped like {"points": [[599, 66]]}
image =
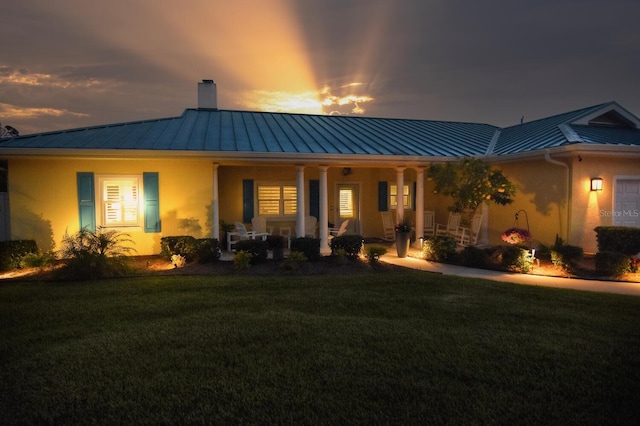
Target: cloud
{"points": [[15, 112], [323, 101], [21, 77]]}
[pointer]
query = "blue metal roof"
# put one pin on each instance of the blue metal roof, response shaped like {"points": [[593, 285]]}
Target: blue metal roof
{"points": [[540, 134], [264, 132], [604, 135], [242, 132]]}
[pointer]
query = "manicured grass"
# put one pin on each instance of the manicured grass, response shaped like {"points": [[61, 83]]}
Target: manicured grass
{"points": [[386, 348]]}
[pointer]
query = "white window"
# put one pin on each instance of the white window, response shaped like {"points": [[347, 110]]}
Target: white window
{"points": [[277, 200], [393, 196], [119, 200]]}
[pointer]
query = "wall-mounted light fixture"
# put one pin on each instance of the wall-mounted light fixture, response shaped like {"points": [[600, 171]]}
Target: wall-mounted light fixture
{"points": [[596, 184]]}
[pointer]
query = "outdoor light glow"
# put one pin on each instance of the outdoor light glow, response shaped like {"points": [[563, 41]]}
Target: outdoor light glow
{"points": [[596, 184]]}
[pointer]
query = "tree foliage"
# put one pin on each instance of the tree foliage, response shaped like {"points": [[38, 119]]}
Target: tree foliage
{"points": [[470, 182]]}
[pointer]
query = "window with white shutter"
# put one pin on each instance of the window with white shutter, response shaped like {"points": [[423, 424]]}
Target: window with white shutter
{"points": [[120, 200], [277, 200]]}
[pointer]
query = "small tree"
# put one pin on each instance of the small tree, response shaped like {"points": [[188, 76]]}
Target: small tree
{"points": [[470, 182]]}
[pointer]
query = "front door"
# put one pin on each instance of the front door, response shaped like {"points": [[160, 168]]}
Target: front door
{"points": [[348, 207]]}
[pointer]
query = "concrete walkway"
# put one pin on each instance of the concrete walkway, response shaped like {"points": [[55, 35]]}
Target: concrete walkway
{"points": [[412, 261]]}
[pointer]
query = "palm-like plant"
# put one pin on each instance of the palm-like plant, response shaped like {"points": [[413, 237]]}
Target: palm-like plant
{"points": [[98, 254]]}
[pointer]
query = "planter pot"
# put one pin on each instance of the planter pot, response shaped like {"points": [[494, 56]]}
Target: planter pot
{"points": [[403, 239]]}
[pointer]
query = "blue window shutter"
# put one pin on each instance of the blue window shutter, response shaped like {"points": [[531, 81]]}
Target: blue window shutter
{"points": [[383, 197], [86, 201], [314, 198], [151, 202], [247, 200]]}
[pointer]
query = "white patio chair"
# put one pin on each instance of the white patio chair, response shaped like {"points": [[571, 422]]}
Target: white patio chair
{"points": [[388, 226], [451, 227], [259, 224], [241, 233], [310, 226], [336, 232], [429, 223], [469, 236]]}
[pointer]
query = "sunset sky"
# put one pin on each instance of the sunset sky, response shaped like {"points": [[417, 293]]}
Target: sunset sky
{"points": [[75, 63]]}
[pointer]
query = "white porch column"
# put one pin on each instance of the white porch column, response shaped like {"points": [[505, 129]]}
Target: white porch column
{"points": [[300, 213], [215, 206], [419, 207], [400, 194], [324, 209]]}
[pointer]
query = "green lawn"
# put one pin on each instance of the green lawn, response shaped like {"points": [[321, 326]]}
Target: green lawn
{"points": [[385, 348]]}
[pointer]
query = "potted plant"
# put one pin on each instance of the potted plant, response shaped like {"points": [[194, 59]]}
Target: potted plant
{"points": [[516, 236], [403, 238]]}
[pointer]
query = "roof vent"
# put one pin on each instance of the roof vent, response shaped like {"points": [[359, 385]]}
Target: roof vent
{"points": [[207, 95]]}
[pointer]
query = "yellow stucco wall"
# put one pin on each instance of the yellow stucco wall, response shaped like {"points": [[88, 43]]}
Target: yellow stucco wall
{"points": [[44, 205], [591, 209], [43, 198], [541, 193]]}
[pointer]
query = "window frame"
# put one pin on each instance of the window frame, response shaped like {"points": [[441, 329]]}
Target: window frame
{"points": [[101, 201], [282, 200], [408, 197]]}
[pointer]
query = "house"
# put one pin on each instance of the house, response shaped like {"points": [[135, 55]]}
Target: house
{"points": [[184, 175]]}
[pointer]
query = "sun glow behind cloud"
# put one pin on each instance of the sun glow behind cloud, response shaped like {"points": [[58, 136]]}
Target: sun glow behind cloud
{"points": [[256, 51]]}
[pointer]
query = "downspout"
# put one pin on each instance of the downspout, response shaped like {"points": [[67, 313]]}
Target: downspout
{"points": [[547, 157]]}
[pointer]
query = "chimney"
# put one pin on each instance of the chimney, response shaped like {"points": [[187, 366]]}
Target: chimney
{"points": [[207, 95]]}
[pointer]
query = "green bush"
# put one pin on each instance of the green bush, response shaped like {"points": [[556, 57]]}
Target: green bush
{"points": [[208, 250], [37, 260], [12, 253], [99, 254], [294, 261], [257, 248], [350, 243], [184, 245], [341, 256], [310, 247], [373, 255], [567, 257], [241, 260], [621, 239], [275, 242], [515, 258], [612, 263], [474, 257], [439, 248]]}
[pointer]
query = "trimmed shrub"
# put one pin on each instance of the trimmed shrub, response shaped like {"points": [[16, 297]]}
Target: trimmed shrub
{"points": [[474, 257], [623, 239], [275, 241], [612, 263], [241, 260], [351, 244], [12, 253], [294, 261], [567, 257], [208, 250], [514, 258], [439, 248], [373, 255], [257, 248], [184, 245], [308, 246]]}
